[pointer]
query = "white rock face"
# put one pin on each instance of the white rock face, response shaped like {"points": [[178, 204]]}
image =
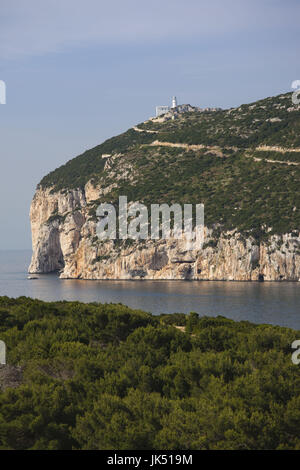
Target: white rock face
{"points": [[56, 220], [64, 239]]}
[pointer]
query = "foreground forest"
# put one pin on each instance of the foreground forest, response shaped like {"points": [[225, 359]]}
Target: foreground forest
{"points": [[93, 376]]}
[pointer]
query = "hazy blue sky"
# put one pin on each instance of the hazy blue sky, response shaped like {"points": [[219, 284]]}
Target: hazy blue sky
{"points": [[78, 72]]}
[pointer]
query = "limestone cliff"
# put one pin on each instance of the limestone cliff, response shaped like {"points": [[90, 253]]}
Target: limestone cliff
{"points": [[64, 239]]}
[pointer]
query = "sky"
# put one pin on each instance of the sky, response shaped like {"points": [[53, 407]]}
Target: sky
{"points": [[79, 72]]}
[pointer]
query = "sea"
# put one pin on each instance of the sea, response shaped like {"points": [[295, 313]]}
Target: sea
{"points": [[276, 303]]}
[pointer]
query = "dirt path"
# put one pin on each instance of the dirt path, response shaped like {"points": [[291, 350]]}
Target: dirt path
{"points": [[267, 148], [287, 162], [177, 145], [144, 130], [219, 149]]}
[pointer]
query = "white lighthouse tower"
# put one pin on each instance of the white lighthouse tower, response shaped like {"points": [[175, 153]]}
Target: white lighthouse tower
{"points": [[174, 102]]}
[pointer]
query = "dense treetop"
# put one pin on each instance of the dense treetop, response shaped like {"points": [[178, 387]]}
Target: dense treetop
{"points": [[95, 376]]}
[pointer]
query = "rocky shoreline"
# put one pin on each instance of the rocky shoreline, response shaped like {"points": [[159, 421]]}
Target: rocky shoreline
{"points": [[64, 239]]}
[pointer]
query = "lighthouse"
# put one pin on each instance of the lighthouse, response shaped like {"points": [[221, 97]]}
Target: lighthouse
{"points": [[160, 110]]}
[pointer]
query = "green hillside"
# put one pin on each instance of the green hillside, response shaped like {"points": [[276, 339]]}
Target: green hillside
{"points": [[241, 185], [76, 172]]}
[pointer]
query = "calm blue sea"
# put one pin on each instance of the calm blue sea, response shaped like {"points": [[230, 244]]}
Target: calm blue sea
{"points": [[267, 302]]}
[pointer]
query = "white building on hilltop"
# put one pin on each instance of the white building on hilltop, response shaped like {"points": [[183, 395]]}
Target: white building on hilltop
{"points": [[162, 110], [171, 112], [165, 109]]}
